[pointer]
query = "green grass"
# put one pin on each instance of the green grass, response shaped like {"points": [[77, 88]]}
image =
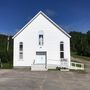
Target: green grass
{"points": [[74, 54], [82, 57], [6, 66]]}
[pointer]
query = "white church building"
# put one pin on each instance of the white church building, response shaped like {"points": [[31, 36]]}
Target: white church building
{"points": [[41, 45]]}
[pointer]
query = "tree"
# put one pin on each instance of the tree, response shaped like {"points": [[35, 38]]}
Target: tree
{"points": [[80, 43]]}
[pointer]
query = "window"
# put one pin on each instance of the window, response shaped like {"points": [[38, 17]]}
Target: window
{"points": [[61, 54], [21, 46], [41, 40], [61, 46], [21, 50], [21, 55], [61, 49]]}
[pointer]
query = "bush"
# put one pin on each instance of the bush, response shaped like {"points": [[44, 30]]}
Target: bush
{"points": [[6, 57]]}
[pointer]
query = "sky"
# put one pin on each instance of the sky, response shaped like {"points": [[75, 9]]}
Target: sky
{"points": [[71, 15]]}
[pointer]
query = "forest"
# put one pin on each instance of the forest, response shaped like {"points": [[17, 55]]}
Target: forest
{"points": [[6, 51], [80, 45]]}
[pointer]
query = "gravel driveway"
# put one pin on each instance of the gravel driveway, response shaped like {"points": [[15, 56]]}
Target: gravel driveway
{"points": [[50, 80]]}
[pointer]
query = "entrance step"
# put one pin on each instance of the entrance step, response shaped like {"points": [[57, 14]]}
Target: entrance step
{"points": [[37, 67], [64, 69]]}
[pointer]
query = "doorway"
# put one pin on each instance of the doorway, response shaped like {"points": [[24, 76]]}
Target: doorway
{"points": [[41, 58]]}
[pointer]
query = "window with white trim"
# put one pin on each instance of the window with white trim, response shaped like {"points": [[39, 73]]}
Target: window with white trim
{"points": [[21, 55], [21, 46], [41, 38], [21, 50], [61, 49]]}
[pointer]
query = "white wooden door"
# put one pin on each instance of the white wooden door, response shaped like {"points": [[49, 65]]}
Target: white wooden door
{"points": [[40, 58]]}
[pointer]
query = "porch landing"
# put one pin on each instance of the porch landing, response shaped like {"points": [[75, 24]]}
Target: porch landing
{"points": [[38, 67]]}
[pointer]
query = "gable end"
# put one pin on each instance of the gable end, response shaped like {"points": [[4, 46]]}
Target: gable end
{"points": [[47, 19]]}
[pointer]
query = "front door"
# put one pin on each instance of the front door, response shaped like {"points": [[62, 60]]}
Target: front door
{"points": [[40, 58]]}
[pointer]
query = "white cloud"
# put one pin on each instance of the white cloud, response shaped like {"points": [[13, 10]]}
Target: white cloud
{"points": [[50, 12]]}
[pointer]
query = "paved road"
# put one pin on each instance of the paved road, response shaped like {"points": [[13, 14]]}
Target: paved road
{"points": [[51, 80]]}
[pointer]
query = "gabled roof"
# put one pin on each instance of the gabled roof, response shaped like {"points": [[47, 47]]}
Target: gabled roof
{"points": [[47, 19]]}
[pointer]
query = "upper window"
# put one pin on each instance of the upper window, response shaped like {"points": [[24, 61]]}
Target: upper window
{"points": [[61, 46], [41, 41], [21, 46]]}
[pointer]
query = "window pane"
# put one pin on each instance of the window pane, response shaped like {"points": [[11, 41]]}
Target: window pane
{"points": [[40, 39], [21, 55], [21, 46], [61, 47], [21, 43], [61, 42], [61, 54]]}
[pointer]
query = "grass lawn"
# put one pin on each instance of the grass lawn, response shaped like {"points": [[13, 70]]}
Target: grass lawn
{"points": [[81, 57], [6, 66]]}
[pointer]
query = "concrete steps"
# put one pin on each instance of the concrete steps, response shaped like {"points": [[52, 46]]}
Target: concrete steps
{"points": [[38, 67]]}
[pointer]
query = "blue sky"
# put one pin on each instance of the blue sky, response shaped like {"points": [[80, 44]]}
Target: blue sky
{"points": [[72, 15]]}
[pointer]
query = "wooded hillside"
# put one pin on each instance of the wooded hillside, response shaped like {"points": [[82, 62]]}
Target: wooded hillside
{"points": [[80, 43], [6, 48]]}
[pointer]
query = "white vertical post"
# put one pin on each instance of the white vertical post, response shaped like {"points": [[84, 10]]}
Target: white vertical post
{"points": [[8, 43]]}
